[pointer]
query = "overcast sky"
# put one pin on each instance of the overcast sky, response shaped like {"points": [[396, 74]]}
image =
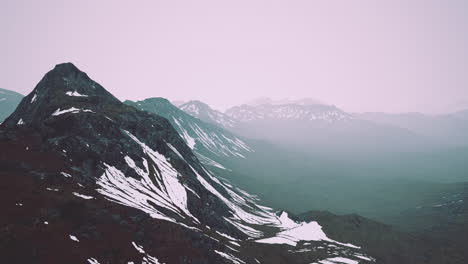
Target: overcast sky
{"points": [[392, 56]]}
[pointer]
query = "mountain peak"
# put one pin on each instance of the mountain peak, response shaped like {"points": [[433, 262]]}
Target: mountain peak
{"points": [[197, 103], [66, 68], [204, 112], [159, 100], [67, 77], [64, 87]]}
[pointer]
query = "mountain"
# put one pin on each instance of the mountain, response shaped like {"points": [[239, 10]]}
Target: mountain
{"points": [[89, 179], [213, 145], [178, 102], [9, 100], [205, 113], [324, 129], [289, 111], [448, 129], [269, 101]]}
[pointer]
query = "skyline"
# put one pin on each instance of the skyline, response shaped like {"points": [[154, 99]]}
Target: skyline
{"points": [[391, 57]]}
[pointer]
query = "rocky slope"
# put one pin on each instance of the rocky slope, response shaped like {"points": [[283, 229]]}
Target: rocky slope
{"points": [[89, 179]]}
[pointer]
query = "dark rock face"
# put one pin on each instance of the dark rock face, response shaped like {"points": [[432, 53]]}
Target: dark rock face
{"points": [[88, 178]]}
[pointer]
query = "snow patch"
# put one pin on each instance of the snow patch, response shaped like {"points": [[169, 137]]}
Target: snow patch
{"points": [[75, 93], [66, 175], [70, 110], [339, 260], [294, 232], [93, 261], [86, 197], [138, 248]]}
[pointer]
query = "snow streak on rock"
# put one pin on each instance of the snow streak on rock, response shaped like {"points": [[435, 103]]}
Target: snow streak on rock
{"points": [[70, 110], [214, 141], [162, 189], [230, 257], [75, 93], [158, 191]]}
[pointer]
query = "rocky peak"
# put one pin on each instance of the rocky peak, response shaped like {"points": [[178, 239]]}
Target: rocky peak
{"points": [[195, 107], [206, 113], [64, 88]]}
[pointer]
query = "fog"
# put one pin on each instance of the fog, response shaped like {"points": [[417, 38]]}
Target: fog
{"points": [[388, 56]]}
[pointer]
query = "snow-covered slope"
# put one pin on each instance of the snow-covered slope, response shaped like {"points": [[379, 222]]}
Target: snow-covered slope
{"points": [[212, 144], [103, 153]]}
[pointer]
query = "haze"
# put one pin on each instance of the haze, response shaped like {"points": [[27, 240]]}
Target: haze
{"points": [[390, 56]]}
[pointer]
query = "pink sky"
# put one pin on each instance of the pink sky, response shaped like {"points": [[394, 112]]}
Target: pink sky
{"points": [[393, 56]]}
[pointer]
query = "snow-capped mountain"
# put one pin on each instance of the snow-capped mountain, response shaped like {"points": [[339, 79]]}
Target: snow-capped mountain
{"points": [[212, 144], [91, 179], [205, 113], [302, 112], [269, 101], [9, 100]]}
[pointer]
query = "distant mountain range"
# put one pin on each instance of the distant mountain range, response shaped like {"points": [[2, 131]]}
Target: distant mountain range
{"points": [[269, 101], [325, 128]]}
